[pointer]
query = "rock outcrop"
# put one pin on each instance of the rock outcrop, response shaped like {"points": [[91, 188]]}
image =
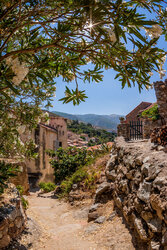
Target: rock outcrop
{"points": [[139, 175], [12, 216]]}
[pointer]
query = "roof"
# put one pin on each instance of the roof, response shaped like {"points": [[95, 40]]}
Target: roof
{"points": [[152, 105], [48, 127], [148, 104]]}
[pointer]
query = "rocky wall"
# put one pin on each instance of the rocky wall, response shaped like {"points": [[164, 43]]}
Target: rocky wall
{"points": [[21, 178], [123, 129], [137, 173], [161, 94], [12, 216], [148, 126]]}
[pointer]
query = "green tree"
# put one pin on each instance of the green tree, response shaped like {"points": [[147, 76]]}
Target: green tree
{"points": [[41, 40]]}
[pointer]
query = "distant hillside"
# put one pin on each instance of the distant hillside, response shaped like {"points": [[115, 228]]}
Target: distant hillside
{"points": [[108, 122]]}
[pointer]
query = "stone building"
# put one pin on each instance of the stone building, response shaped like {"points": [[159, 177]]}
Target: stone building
{"points": [[46, 136], [133, 115]]}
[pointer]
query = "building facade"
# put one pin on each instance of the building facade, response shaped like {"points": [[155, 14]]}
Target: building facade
{"points": [[48, 136], [134, 114]]}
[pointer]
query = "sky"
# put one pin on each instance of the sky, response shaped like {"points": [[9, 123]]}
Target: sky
{"points": [[104, 98]]}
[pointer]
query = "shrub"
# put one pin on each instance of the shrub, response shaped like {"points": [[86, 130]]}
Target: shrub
{"points": [[151, 113], [7, 170], [47, 186], [68, 160], [76, 178]]}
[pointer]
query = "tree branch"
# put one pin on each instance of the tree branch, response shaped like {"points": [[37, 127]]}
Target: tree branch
{"points": [[34, 50]]}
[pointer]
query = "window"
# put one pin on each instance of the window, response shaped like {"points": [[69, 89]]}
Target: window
{"points": [[60, 144]]}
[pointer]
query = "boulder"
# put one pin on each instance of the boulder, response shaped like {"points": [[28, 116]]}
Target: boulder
{"points": [[130, 174], [94, 207], [146, 215], [140, 229], [144, 191], [100, 219], [160, 181], [111, 163], [154, 245], [111, 175], [164, 239], [92, 216], [123, 186], [138, 205], [4, 242], [158, 204], [102, 188], [145, 168], [118, 201], [155, 224], [112, 216]]}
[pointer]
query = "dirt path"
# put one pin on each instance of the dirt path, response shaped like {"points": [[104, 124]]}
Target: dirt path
{"points": [[55, 225]]}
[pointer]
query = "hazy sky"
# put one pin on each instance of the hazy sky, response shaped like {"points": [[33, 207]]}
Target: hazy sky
{"points": [[106, 97]]}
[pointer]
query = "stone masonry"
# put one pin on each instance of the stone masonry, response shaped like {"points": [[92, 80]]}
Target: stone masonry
{"points": [[123, 129], [137, 173], [161, 94], [12, 216], [149, 125]]}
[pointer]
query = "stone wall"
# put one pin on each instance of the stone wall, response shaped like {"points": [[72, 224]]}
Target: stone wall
{"points": [[21, 177], [123, 129], [148, 126], [138, 176], [161, 94], [12, 216]]}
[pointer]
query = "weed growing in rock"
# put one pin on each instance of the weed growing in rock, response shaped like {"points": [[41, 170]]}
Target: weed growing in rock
{"points": [[24, 202]]}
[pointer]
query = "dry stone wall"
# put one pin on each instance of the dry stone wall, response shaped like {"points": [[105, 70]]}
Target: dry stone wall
{"points": [[12, 216], [123, 129], [137, 173], [161, 94], [21, 177], [148, 127]]}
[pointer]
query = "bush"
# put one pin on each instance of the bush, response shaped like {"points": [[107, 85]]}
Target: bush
{"points": [[76, 178], [68, 160], [47, 186], [7, 170], [151, 113]]}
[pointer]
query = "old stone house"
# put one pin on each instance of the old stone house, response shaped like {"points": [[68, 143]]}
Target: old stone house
{"points": [[46, 136], [134, 114], [132, 127]]}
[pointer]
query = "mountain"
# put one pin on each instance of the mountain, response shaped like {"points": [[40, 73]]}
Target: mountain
{"points": [[108, 122]]}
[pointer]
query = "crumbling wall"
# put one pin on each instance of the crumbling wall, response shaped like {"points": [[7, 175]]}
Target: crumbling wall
{"points": [[138, 174], [148, 127], [21, 177], [12, 216], [123, 129], [161, 94]]}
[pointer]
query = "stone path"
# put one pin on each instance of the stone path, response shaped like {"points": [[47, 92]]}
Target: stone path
{"points": [[62, 227]]}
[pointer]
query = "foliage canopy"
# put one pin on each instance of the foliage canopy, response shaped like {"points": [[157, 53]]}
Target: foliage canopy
{"points": [[41, 40]]}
